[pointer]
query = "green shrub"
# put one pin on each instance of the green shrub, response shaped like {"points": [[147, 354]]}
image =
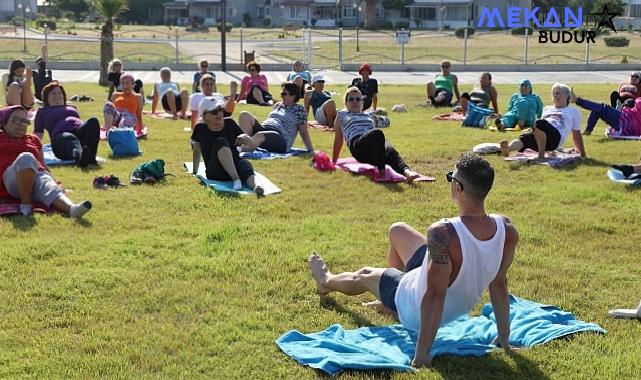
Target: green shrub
{"points": [[228, 25], [51, 24], [267, 21], [387, 24], [496, 29], [521, 31], [460, 32], [402, 25], [616, 41], [247, 19]]}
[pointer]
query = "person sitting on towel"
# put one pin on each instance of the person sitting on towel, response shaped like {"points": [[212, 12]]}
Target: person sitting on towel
{"points": [[215, 138], [444, 87], [483, 94], [278, 132], [523, 108], [207, 87], [627, 91], [366, 143], [436, 279], [71, 138], [626, 122], [173, 100], [125, 107], [321, 102], [23, 172], [551, 130]]}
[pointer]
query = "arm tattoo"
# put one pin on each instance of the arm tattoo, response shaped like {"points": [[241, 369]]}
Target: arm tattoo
{"points": [[438, 240]]}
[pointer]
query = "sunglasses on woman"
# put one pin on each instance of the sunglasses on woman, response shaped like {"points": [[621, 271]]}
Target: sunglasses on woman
{"points": [[354, 99], [450, 176]]}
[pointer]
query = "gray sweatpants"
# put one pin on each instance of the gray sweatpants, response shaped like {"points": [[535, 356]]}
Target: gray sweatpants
{"points": [[45, 188]]}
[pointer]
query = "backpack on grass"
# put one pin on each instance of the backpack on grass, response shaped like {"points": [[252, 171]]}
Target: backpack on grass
{"points": [[149, 172]]}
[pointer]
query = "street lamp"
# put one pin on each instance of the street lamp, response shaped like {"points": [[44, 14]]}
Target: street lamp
{"points": [[357, 9], [25, 10]]}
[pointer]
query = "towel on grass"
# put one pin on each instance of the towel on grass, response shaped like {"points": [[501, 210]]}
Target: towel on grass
{"points": [[392, 347], [227, 186], [10, 206], [351, 165], [450, 116], [139, 134], [262, 154], [52, 160], [555, 159], [617, 176]]}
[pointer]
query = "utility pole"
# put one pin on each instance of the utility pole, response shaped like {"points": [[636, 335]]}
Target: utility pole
{"points": [[223, 42]]}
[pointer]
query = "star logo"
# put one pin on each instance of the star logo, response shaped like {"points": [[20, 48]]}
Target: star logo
{"points": [[606, 19]]}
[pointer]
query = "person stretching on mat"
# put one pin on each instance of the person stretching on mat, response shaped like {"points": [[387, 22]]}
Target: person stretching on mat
{"points": [[215, 138], [435, 279], [627, 92], [321, 102], [173, 100], [483, 94], [366, 143], [71, 138], [208, 88], [125, 108], [23, 172], [626, 122], [551, 130], [278, 132]]}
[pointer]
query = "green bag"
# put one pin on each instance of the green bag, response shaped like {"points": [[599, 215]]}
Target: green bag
{"points": [[149, 172]]}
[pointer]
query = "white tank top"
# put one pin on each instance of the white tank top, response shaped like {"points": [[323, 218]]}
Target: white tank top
{"points": [[481, 263]]}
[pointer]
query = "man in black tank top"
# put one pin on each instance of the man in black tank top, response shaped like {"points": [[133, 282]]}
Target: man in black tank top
{"points": [[418, 284]]}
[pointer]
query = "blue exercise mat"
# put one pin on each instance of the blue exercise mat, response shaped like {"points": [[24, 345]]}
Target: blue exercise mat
{"points": [[228, 186], [617, 176], [52, 160], [262, 154], [392, 347]]}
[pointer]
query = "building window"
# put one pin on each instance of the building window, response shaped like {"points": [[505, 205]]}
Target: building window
{"points": [[232, 12], [635, 10], [296, 13], [380, 13], [405, 12], [349, 12], [428, 14]]}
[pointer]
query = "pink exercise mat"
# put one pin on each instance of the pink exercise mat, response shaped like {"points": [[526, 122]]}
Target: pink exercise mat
{"points": [[351, 165], [10, 206]]}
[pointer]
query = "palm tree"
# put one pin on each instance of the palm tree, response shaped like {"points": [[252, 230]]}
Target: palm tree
{"points": [[109, 10]]}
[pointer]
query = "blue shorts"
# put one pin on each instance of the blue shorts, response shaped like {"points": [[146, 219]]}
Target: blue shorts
{"points": [[390, 279]]}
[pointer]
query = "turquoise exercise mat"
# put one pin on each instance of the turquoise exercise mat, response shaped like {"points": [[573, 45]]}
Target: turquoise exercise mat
{"points": [[617, 176], [52, 160], [227, 186]]}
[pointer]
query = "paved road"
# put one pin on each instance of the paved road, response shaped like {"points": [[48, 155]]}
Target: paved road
{"points": [[345, 77]]}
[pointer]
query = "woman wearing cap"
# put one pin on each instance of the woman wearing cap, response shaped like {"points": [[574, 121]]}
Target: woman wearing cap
{"points": [[215, 139], [125, 109], [366, 143], [208, 88], [483, 94], [299, 75], [321, 102], [557, 122], [367, 86], [203, 65], [445, 85], [18, 84], [254, 87], [173, 100], [71, 138], [626, 122], [23, 173], [523, 108], [278, 132], [630, 90]]}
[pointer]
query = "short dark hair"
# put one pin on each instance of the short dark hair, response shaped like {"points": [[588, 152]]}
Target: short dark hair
{"points": [[50, 87], [477, 175], [293, 89], [254, 64]]}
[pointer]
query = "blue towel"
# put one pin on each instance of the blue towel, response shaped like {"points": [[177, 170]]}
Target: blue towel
{"points": [[51, 159], [392, 347], [262, 154]]}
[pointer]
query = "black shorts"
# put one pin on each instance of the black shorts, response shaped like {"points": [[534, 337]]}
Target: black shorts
{"points": [[552, 141], [390, 279], [250, 96], [165, 103]]}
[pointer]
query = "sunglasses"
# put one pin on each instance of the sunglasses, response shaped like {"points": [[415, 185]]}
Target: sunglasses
{"points": [[634, 76], [204, 66], [20, 120], [320, 81], [450, 177], [445, 66], [354, 99]]}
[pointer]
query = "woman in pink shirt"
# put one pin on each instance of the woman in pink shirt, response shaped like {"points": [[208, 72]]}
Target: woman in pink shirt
{"points": [[254, 88]]}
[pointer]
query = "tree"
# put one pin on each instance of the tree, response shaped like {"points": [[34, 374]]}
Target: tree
{"points": [[109, 10], [78, 7], [370, 13], [614, 6], [395, 4]]}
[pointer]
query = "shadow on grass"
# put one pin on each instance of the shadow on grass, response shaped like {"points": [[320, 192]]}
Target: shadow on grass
{"points": [[23, 223], [515, 165], [328, 302]]}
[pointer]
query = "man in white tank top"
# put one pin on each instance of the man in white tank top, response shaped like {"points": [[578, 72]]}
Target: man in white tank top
{"points": [[434, 280]]}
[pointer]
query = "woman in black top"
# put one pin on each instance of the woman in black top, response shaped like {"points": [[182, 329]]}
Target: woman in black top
{"points": [[215, 139], [115, 70], [368, 87]]}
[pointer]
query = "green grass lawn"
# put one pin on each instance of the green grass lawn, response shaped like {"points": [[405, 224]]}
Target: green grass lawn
{"points": [[176, 281]]}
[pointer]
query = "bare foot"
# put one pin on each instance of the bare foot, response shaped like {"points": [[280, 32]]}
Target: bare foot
{"points": [[505, 151], [379, 307], [320, 272], [410, 175], [233, 89]]}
